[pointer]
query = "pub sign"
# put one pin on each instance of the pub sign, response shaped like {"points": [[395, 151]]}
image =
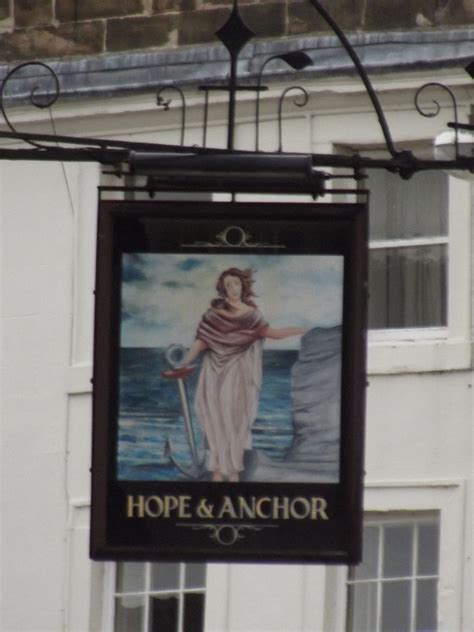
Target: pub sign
{"points": [[229, 381]]}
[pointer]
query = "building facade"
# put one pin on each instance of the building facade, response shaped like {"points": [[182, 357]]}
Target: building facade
{"points": [[111, 57]]}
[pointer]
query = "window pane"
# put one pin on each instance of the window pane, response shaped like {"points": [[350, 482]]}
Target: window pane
{"points": [[428, 547], [396, 598], [193, 612], [164, 577], [393, 598], [130, 577], [398, 551], [129, 612], [164, 614], [195, 576], [402, 209], [370, 550], [426, 605], [408, 287], [362, 607]]}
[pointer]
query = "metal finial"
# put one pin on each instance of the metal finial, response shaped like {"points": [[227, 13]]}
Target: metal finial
{"points": [[234, 34]]}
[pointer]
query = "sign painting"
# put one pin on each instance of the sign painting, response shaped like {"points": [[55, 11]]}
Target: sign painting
{"points": [[229, 381]]}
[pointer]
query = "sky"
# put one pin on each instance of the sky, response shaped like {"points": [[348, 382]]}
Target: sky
{"points": [[165, 295]]}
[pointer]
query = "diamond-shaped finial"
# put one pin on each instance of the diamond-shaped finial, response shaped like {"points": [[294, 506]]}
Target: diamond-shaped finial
{"points": [[234, 34]]}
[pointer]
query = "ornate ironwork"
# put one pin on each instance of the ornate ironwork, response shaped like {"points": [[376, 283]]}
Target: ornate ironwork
{"points": [[362, 74], [437, 110], [297, 60], [165, 104], [234, 35], [43, 101], [302, 93]]}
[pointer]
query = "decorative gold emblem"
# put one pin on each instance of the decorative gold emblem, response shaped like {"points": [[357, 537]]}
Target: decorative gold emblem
{"points": [[233, 237], [226, 534]]}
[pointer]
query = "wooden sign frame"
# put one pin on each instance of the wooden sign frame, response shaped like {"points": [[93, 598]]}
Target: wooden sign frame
{"points": [[251, 450]]}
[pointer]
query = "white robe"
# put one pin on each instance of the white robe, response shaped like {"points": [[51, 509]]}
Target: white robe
{"points": [[229, 385]]}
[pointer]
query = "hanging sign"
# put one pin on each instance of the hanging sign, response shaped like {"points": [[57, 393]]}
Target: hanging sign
{"points": [[229, 381]]}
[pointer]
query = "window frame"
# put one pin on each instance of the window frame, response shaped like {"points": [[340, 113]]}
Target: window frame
{"points": [[381, 521], [423, 332], [447, 498], [454, 196], [436, 348], [422, 349], [111, 594], [395, 351]]}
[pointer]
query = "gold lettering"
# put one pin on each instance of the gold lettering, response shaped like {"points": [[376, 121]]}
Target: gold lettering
{"points": [[294, 511], [251, 508], [205, 509], [227, 508], [245, 509], [281, 508], [137, 504], [318, 508], [258, 508], [184, 511], [158, 506], [171, 503], [153, 500]]}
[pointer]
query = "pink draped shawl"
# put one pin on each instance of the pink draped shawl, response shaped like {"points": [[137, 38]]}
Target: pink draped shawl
{"points": [[229, 384]]}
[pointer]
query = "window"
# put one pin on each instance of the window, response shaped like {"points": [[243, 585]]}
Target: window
{"points": [[395, 588], [408, 250], [159, 597]]}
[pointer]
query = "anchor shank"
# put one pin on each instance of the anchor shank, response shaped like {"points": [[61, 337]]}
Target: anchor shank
{"points": [[187, 418]]}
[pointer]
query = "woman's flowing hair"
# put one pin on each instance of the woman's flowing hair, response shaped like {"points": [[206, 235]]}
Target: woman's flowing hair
{"points": [[247, 280]]}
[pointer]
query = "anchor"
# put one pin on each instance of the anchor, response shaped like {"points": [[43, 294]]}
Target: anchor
{"points": [[174, 355]]}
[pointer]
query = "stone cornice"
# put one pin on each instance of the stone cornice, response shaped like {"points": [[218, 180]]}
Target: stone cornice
{"points": [[130, 73]]}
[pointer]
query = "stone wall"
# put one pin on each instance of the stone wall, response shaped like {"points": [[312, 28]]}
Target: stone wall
{"points": [[61, 28]]}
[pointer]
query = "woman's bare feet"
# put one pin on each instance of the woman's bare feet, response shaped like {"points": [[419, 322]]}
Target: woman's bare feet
{"points": [[217, 476], [234, 477]]}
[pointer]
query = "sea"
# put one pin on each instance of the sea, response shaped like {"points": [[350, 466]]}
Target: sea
{"points": [[153, 443]]}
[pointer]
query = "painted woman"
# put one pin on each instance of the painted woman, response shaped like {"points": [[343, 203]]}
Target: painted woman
{"points": [[231, 335]]}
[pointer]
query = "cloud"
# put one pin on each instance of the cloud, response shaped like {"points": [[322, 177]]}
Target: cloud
{"points": [[177, 285], [165, 297], [133, 268], [190, 264]]}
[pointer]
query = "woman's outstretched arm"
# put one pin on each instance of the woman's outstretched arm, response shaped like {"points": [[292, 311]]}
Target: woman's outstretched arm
{"points": [[195, 349], [283, 332]]}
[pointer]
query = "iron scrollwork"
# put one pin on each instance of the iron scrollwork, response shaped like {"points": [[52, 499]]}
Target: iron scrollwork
{"points": [[437, 108], [42, 101], [299, 100], [297, 60], [165, 104], [362, 74], [234, 35]]}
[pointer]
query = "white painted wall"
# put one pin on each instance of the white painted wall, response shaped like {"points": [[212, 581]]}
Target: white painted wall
{"points": [[420, 394], [37, 272]]}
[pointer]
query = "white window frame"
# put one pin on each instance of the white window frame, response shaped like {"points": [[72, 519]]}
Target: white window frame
{"points": [[448, 499], [394, 351], [411, 519], [434, 348], [111, 594]]}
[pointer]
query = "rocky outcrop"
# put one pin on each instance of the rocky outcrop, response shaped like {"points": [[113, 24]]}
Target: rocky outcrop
{"points": [[316, 387]]}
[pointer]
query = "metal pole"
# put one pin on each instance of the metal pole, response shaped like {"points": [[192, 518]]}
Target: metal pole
{"points": [[232, 92]]}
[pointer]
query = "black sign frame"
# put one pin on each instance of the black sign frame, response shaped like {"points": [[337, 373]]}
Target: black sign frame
{"points": [[203, 520]]}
